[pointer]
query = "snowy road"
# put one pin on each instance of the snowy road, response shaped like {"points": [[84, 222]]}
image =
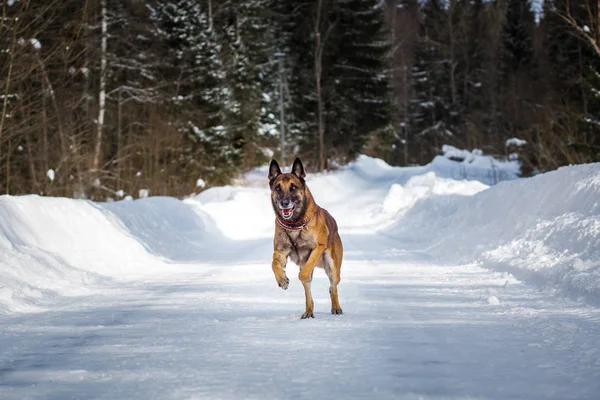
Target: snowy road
{"points": [[410, 330], [413, 328]]}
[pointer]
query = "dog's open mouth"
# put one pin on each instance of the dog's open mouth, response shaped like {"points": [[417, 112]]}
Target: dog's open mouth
{"points": [[287, 212]]}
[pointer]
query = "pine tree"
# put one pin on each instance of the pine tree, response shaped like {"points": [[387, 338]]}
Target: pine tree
{"points": [[588, 141], [203, 97], [361, 99], [516, 36], [518, 69], [248, 36], [261, 33], [475, 103], [430, 106], [354, 76], [294, 39]]}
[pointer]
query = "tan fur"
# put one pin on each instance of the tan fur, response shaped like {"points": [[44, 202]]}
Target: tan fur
{"points": [[318, 244]]}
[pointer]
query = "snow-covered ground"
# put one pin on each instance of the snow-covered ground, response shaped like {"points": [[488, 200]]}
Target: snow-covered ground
{"points": [[451, 289]]}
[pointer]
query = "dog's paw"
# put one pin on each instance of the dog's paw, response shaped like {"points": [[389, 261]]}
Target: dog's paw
{"points": [[308, 314], [336, 311], [283, 282]]}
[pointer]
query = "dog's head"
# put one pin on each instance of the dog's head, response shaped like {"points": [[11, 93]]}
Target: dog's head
{"points": [[288, 192]]}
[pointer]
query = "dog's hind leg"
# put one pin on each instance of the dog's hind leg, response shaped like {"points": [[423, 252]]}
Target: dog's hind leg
{"points": [[333, 263]]}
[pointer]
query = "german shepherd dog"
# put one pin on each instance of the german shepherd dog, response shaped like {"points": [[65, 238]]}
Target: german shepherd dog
{"points": [[304, 232]]}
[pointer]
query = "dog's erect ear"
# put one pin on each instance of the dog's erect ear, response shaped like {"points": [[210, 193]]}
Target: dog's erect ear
{"points": [[298, 169], [274, 170]]}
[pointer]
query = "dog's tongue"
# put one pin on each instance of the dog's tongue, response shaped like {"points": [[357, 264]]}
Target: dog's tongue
{"points": [[286, 211]]}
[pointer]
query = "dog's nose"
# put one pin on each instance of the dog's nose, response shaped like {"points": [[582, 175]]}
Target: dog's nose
{"points": [[284, 203]]}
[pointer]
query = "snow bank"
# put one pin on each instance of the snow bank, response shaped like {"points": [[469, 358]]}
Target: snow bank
{"points": [[453, 164], [402, 198], [52, 247], [240, 213], [474, 165], [484, 169], [167, 227], [545, 228]]}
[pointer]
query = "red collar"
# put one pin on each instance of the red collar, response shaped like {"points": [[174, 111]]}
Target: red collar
{"points": [[292, 226]]}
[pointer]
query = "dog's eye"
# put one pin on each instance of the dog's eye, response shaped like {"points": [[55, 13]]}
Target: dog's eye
{"points": [[278, 188], [292, 188]]}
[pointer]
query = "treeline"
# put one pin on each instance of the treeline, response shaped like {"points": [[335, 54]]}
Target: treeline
{"points": [[476, 73], [106, 98]]}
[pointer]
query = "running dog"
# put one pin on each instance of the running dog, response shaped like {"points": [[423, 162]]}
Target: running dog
{"points": [[304, 232]]}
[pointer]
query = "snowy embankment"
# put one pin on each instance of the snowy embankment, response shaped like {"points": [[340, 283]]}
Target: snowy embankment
{"points": [[53, 247], [545, 228]]}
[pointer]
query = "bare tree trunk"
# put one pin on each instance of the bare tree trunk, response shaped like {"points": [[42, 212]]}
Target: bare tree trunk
{"points": [[79, 184], [318, 73], [26, 110], [8, 150], [102, 95], [44, 126], [281, 110], [453, 64], [31, 162], [119, 118], [61, 133], [582, 88], [210, 15], [405, 100], [7, 84]]}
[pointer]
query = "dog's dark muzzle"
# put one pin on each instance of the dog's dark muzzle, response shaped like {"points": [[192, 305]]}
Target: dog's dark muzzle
{"points": [[287, 208]]}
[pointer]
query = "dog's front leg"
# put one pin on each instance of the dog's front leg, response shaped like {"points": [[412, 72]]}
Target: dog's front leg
{"points": [[305, 277], [278, 265]]}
